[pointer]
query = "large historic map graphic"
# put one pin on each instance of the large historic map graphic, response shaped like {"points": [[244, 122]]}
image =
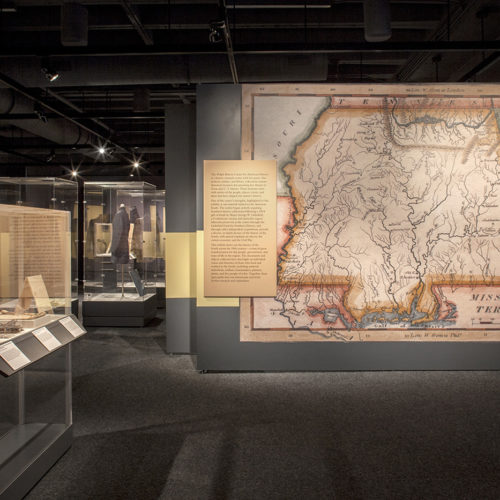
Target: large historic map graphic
{"points": [[388, 212]]}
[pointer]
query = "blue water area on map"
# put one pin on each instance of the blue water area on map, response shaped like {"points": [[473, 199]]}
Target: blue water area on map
{"points": [[389, 319]]}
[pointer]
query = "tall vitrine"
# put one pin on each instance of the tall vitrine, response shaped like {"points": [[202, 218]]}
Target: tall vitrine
{"points": [[120, 253], [54, 194]]}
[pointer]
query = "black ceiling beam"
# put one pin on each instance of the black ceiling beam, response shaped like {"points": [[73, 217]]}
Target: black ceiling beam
{"points": [[482, 66], [22, 143], [104, 115], [97, 165], [278, 25], [276, 48], [32, 159], [134, 19]]}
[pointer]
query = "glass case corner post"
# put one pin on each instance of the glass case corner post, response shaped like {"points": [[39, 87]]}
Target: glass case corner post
{"points": [[68, 386]]}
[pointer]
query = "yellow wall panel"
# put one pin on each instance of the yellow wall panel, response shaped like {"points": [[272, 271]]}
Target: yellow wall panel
{"points": [[184, 270], [180, 263], [4, 264], [201, 300]]}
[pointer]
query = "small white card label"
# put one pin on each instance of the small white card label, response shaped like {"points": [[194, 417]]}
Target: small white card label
{"points": [[71, 326], [46, 338], [13, 356]]}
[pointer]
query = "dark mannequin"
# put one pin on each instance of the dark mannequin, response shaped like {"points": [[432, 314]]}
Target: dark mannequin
{"points": [[119, 241]]}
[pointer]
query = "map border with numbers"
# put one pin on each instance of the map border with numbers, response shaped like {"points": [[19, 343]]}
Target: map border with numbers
{"points": [[251, 307]]}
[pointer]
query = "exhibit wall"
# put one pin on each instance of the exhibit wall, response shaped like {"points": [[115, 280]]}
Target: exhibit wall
{"points": [[387, 227], [180, 227]]}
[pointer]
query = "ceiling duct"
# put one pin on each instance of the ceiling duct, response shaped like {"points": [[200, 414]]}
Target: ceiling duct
{"points": [[377, 18], [168, 69], [74, 25], [57, 130]]}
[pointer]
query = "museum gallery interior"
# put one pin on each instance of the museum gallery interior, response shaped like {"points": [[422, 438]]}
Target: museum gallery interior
{"points": [[249, 249]]}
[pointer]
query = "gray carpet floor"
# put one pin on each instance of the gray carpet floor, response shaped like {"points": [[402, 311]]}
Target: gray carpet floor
{"points": [[147, 425]]}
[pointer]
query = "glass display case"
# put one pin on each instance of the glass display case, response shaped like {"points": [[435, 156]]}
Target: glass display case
{"points": [[36, 403], [158, 203], [36, 332], [120, 253], [49, 193], [35, 268]]}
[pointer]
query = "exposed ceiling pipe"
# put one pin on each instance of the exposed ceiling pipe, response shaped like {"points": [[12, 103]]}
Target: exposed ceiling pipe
{"points": [[20, 89], [136, 22], [68, 103], [56, 129], [109, 52], [27, 3], [61, 148], [107, 115]]}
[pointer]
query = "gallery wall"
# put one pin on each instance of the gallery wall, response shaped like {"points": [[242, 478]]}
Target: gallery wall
{"points": [[216, 322], [180, 226]]}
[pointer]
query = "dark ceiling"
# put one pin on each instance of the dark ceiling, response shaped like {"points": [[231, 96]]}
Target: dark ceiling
{"points": [[121, 61]]}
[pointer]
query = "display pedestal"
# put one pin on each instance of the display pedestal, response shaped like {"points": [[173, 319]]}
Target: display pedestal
{"points": [[111, 309], [160, 293], [41, 444], [35, 432]]}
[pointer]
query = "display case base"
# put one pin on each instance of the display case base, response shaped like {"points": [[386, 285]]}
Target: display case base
{"points": [[108, 309], [27, 452], [160, 293]]}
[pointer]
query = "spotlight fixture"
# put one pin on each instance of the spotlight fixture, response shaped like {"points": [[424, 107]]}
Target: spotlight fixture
{"points": [[101, 150], [50, 156], [50, 74], [74, 173], [217, 31], [40, 114], [135, 164]]}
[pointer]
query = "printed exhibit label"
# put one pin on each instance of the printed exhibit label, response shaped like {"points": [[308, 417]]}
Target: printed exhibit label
{"points": [[69, 323], [13, 356], [47, 338], [240, 228]]}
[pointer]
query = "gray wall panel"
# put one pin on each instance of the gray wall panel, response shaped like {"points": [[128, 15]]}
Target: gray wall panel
{"points": [[180, 174], [218, 131], [180, 324], [219, 347], [180, 186]]}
